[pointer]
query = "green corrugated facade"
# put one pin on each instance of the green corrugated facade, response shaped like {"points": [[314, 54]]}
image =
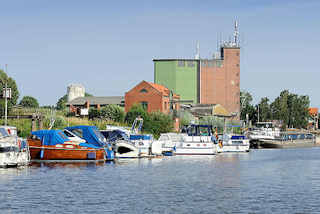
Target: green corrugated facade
{"points": [[180, 75]]}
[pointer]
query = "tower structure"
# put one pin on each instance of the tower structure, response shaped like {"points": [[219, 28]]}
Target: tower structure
{"points": [[205, 81], [74, 91], [220, 76]]}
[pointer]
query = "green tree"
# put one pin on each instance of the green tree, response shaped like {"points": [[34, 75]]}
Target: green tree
{"points": [[264, 109], [135, 111], [113, 112], [291, 109], [94, 113], [29, 102], [247, 108], [11, 83], [158, 123]]}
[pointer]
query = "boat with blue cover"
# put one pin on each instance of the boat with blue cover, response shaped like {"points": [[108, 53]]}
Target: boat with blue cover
{"points": [[93, 136], [54, 145]]}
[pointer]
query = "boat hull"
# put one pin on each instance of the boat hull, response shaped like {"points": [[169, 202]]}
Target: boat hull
{"points": [[126, 150], [195, 151], [64, 152], [234, 148]]}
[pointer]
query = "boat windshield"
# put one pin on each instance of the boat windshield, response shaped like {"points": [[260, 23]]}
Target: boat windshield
{"points": [[9, 149], [99, 135], [3, 133], [204, 131], [264, 125]]}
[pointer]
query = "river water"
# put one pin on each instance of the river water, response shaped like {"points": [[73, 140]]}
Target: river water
{"points": [[262, 181]]}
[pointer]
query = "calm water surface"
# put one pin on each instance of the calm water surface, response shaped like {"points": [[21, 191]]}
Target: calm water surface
{"points": [[262, 181]]}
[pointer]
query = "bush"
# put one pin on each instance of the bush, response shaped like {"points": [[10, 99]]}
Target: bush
{"points": [[159, 123], [29, 102], [113, 112], [94, 113], [136, 111]]}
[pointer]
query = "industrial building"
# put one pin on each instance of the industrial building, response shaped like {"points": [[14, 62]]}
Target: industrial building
{"points": [[205, 81], [153, 97]]}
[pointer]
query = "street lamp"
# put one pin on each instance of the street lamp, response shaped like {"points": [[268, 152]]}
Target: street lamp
{"points": [[6, 95]]}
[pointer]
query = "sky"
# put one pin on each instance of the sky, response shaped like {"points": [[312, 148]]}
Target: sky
{"points": [[108, 46]]}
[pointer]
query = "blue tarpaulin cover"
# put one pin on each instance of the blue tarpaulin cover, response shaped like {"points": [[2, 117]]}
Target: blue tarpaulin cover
{"points": [[51, 137], [140, 137], [90, 133]]}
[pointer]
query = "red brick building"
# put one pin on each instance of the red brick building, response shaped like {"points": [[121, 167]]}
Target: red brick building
{"points": [[153, 97], [220, 79]]}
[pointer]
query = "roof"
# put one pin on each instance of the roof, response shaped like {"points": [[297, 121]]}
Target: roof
{"points": [[207, 110], [165, 91], [313, 111], [118, 100]]}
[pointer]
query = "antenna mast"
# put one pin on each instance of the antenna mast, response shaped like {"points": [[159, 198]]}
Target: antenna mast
{"points": [[236, 33], [197, 56]]}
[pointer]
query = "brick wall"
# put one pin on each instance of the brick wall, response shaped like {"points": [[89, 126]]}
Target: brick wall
{"points": [[220, 80], [144, 92]]}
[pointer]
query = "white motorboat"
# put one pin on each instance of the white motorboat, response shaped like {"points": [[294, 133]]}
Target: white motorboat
{"points": [[129, 143], [264, 131], [125, 149], [14, 151], [198, 141], [166, 143], [233, 143]]}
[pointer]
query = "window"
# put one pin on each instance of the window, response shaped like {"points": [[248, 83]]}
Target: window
{"points": [[238, 65], [181, 63], [144, 105], [190, 64], [78, 132], [143, 90], [237, 54], [165, 105]]}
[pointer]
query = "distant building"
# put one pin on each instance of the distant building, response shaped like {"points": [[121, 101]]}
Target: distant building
{"points": [[203, 110], [205, 81], [314, 118], [153, 97], [81, 105], [74, 91], [182, 76]]}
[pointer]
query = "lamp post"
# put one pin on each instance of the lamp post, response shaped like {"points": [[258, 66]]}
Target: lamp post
{"points": [[5, 93]]}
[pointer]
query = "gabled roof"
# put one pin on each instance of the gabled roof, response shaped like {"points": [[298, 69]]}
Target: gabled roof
{"points": [[118, 100], [163, 90]]}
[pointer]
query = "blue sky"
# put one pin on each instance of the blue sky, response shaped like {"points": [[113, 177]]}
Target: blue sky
{"points": [[108, 46]]}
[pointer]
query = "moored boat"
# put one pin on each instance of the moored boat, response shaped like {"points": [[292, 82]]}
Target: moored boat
{"points": [[93, 136], [13, 150], [198, 141], [233, 143], [55, 145]]}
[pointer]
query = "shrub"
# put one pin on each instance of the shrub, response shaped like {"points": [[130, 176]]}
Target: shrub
{"points": [[94, 113], [158, 123], [113, 112], [136, 111]]}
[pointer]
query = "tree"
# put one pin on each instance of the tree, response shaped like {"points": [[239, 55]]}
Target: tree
{"points": [[246, 107], [135, 111], [159, 123], [61, 104], [11, 83], [264, 110], [291, 109], [113, 112], [29, 102]]}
